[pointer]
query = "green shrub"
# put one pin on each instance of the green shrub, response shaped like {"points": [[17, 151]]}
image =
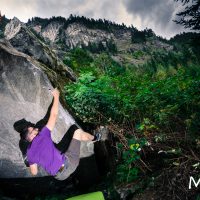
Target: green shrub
{"points": [[146, 103], [78, 59], [138, 54]]}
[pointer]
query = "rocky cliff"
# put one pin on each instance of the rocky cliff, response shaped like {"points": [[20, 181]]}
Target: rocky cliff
{"points": [[24, 40], [75, 33], [48, 40]]}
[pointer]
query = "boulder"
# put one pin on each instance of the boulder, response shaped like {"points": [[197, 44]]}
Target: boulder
{"points": [[24, 94]]}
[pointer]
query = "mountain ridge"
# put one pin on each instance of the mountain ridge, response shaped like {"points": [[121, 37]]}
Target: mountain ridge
{"points": [[61, 35]]}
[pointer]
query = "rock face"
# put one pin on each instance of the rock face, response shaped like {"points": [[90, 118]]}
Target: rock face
{"points": [[47, 40], [24, 40], [76, 34], [24, 94], [51, 31]]}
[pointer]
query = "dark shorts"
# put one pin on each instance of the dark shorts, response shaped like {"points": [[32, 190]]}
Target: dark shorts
{"points": [[72, 160]]}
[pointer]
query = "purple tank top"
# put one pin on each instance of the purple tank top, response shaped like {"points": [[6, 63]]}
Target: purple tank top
{"points": [[43, 152]]}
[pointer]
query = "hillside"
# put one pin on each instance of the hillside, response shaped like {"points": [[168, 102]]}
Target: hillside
{"points": [[96, 35]]}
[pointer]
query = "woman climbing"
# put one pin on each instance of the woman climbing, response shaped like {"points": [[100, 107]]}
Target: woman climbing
{"points": [[43, 152]]}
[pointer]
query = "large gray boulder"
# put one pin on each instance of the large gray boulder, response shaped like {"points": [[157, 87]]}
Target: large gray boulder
{"points": [[24, 94]]}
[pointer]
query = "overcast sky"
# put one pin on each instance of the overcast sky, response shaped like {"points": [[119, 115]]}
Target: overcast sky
{"points": [[154, 14]]}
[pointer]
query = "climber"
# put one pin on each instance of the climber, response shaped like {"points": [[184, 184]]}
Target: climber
{"points": [[43, 152], [22, 124]]}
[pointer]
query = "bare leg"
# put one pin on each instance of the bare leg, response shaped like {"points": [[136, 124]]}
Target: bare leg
{"points": [[81, 135]]}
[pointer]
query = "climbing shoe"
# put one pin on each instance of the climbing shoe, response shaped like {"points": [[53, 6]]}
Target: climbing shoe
{"points": [[97, 136]]}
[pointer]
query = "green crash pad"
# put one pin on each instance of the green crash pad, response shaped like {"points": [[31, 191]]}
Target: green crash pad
{"points": [[90, 196]]}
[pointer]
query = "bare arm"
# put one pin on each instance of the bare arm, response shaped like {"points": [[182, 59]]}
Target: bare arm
{"points": [[54, 110], [34, 169], [40, 124]]}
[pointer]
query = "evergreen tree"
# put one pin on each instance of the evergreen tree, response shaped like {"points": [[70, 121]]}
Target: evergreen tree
{"points": [[138, 36], [101, 46], [190, 16], [111, 46], [3, 23]]}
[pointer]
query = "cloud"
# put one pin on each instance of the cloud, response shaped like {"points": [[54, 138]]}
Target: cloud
{"points": [[20, 9], [154, 14]]}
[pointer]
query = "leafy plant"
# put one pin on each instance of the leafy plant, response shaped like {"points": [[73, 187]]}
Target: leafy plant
{"points": [[151, 103]]}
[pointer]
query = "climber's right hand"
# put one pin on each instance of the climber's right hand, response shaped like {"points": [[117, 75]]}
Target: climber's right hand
{"points": [[55, 92]]}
